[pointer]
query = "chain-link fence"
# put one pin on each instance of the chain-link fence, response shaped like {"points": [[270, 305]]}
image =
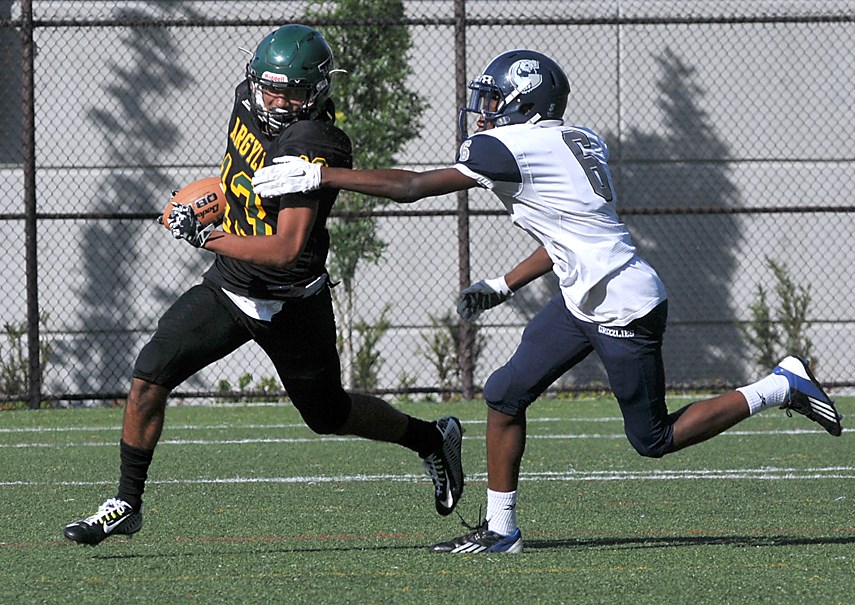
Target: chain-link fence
{"points": [[730, 131]]}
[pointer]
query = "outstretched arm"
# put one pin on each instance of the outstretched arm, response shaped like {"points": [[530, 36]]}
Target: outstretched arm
{"points": [[399, 185], [289, 174]]}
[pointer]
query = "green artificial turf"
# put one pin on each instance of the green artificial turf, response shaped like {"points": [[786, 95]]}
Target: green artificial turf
{"points": [[246, 505]]}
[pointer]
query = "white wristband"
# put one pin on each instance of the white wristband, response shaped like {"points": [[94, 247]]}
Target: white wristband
{"points": [[498, 284]]}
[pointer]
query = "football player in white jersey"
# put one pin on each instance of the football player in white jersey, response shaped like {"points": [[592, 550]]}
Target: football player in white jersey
{"points": [[555, 183]]}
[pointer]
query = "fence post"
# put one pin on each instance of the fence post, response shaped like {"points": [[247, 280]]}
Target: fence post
{"points": [[29, 135], [466, 332]]}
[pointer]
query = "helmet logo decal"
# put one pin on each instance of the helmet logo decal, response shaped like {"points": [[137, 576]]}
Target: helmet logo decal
{"points": [[272, 76], [525, 74]]}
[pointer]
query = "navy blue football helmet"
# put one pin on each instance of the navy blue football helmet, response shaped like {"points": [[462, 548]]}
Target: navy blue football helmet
{"points": [[516, 87]]}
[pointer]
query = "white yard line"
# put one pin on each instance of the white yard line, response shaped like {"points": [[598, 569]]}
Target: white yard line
{"points": [[213, 427], [763, 473], [326, 438]]}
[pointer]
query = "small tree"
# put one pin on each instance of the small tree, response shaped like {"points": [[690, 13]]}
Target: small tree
{"points": [[794, 302], [15, 362], [442, 349], [367, 361], [380, 114], [774, 335], [762, 332]]}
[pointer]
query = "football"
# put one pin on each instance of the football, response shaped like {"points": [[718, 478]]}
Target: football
{"points": [[206, 196]]}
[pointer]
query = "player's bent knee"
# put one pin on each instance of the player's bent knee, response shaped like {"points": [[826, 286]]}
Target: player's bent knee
{"points": [[324, 412], [323, 425], [650, 447], [502, 395], [152, 361], [326, 419]]}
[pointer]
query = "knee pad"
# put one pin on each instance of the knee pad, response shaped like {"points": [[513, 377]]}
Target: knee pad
{"points": [[323, 411], [501, 393], [154, 361], [324, 425], [652, 446]]}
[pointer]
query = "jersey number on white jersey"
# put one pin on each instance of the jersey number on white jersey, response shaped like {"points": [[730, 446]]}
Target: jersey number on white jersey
{"points": [[591, 161]]}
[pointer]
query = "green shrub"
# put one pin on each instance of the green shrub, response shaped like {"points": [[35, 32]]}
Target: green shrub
{"points": [[775, 333], [15, 363]]}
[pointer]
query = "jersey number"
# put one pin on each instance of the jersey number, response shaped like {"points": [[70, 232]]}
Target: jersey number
{"points": [[595, 168], [240, 186]]}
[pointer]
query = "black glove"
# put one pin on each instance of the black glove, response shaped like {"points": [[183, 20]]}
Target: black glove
{"points": [[481, 296], [183, 224]]}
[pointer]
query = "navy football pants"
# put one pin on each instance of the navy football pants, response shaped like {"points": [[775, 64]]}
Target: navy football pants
{"points": [[555, 341]]}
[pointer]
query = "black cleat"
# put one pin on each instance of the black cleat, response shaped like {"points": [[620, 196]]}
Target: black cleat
{"points": [[481, 539], [115, 516], [445, 465]]}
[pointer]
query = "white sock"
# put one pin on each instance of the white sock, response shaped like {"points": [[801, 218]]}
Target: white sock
{"points": [[502, 512], [769, 392]]}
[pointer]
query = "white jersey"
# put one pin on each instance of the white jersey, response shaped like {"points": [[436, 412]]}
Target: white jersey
{"points": [[555, 183]]}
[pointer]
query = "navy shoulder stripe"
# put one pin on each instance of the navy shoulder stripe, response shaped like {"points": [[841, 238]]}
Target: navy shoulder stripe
{"points": [[489, 157]]}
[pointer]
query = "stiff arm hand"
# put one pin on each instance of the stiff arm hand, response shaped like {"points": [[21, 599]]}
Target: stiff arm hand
{"points": [[287, 174], [481, 296]]}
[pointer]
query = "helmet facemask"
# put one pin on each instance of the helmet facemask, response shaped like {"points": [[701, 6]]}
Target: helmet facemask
{"points": [[273, 120], [484, 110]]}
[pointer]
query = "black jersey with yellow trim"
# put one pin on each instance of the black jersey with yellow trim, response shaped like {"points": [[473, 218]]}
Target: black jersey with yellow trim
{"points": [[248, 149]]}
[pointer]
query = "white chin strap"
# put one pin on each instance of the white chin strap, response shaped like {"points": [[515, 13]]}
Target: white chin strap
{"points": [[514, 94]]}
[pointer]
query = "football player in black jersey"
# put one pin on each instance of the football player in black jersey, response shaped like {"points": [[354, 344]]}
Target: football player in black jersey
{"points": [[269, 284]]}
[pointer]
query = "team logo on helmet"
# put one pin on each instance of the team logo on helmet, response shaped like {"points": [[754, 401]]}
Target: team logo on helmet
{"points": [[525, 74]]}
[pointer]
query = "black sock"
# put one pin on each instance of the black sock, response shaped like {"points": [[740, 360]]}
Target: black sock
{"points": [[134, 472], [422, 437]]}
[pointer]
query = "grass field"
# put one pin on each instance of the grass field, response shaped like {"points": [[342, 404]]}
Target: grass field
{"points": [[246, 505]]}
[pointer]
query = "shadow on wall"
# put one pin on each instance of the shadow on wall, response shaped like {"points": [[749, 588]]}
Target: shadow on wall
{"points": [[112, 264], [11, 116], [683, 167]]}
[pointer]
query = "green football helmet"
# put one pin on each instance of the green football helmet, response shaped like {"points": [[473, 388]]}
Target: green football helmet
{"points": [[297, 61]]}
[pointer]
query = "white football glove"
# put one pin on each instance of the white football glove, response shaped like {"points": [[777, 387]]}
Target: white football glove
{"points": [[481, 296], [183, 224], [287, 174]]}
